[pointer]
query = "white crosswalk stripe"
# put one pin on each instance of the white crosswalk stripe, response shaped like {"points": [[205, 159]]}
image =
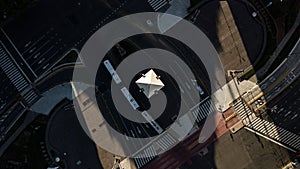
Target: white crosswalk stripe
{"points": [[11, 70], [157, 4], [141, 160], [266, 128], [30, 96], [202, 109], [165, 142]]}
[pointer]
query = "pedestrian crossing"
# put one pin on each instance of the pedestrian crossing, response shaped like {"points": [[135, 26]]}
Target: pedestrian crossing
{"points": [[166, 142], [11, 70], [162, 144], [266, 128], [241, 107], [157, 4], [30, 96], [202, 110], [141, 160]]}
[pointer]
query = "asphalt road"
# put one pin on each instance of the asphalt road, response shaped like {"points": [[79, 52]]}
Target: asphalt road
{"points": [[287, 107], [7, 91], [141, 130], [9, 118], [45, 32], [39, 37]]}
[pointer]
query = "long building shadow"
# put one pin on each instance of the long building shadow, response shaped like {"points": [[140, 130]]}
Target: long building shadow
{"points": [[236, 150]]}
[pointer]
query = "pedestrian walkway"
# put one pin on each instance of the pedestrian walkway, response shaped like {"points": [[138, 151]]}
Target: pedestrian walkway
{"points": [[11, 70], [52, 97], [30, 96], [268, 129]]}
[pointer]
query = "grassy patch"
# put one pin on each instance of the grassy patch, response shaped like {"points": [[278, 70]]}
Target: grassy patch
{"points": [[248, 74]]}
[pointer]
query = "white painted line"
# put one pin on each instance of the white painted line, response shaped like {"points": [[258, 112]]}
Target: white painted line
{"points": [[19, 53], [15, 61], [33, 44], [152, 122], [43, 54], [274, 141], [35, 52]]}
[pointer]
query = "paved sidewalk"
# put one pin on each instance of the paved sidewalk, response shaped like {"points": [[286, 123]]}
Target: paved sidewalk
{"points": [[53, 96], [231, 91]]}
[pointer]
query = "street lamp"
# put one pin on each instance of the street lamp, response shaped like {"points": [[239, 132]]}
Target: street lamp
{"points": [[233, 73], [254, 14]]}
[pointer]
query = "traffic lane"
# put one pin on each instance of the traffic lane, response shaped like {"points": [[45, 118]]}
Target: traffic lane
{"points": [[287, 108], [280, 86], [49, 59], [274, 76], [104, 77], [70, 18], [206, 21], [120, 123], [8, 118], [11, 51], [75, 18], [124, 126], [59, 30], [8, 91], [55, 79], [180, 50], [38, 52]]}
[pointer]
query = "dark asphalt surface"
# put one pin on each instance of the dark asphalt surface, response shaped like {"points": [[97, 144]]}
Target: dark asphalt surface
{"points": [[251, 31], [242, 150], [9, 117], [42, 34], [65, 135], [45, 32], [7, 91], [52, 28], [104, 82], [287, 113]]}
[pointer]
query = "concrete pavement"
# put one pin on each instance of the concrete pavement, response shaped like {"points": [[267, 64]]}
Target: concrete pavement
{"points": [[53, 96]]}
